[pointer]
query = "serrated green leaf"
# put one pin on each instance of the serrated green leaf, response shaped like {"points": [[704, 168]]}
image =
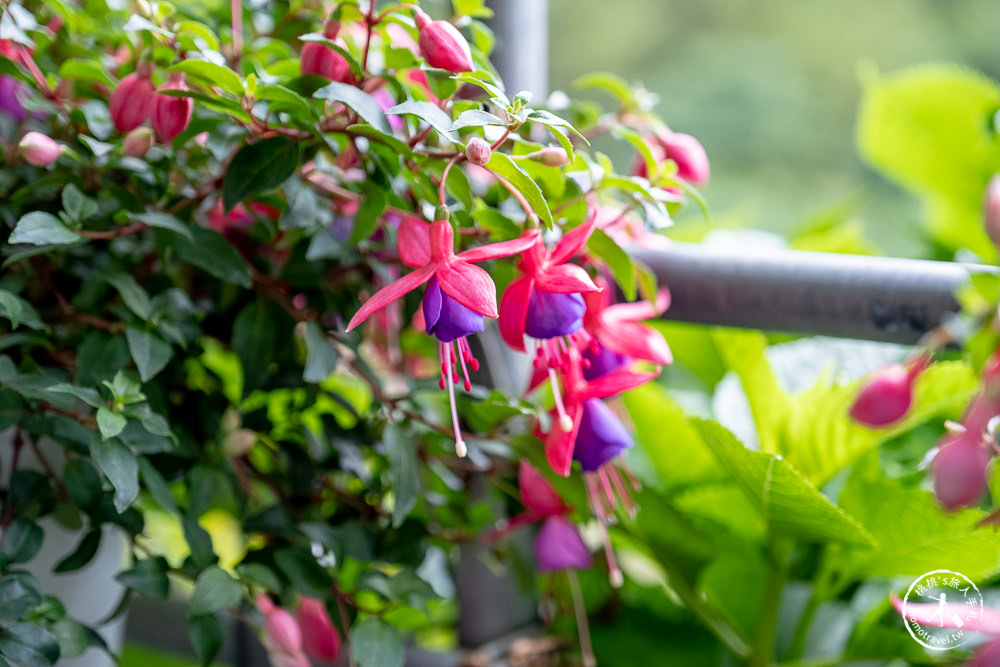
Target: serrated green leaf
{"points": [[119, 464], [259, 167], [40, 228], [791, 505], [500, 163], [212, 75], [214, 590], [361, 102], [430, 113]]}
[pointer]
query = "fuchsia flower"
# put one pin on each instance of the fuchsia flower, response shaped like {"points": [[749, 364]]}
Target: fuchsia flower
{"points": [[983, 620], [618, 336], [320, 639], [282, 637], [131, 102], [545, 301], [886, 395], [442, 45], [686, 152], [321, 59], [457, 292], [171, 115]]}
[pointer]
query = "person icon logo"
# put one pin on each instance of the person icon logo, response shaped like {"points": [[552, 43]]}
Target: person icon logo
{"points": [[958, 601]]}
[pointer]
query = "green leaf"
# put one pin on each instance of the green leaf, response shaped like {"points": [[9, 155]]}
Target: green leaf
{"points": [[77, 206], [501, 164], [376, 644], [403, 471], [485, 81], [791, 505], [83, 554], [473, 8], [85, 69], [396, 144], [212, 75], [110, 423], [551, 120], [211, 252], [27, 645], [164, 221], [430, 113], [19, 312], [82, 482], [255, 338], [199, 542], [365, 220], [119, 464], [361, 102], [138, 23], [214, 591], [21, 540], [150, 352], [86, 394], [280, 98], [73, 638], [148, 578], [40, 228], [612, 84], [259, 167], [321, 358], [476, 118], [134, 296], [205, 633], [352, 61], [157, 485], [304, 573], [619, 261], [19, 592]]}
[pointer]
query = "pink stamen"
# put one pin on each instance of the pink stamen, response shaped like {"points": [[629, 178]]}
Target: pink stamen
{"points": [[619, 483], [633, 480], [565, 421], [609, 494], [460, 448], [465, 371]]}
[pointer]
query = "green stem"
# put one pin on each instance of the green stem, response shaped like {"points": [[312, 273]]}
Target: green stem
{"points": [[763, 645], [586, 648]]}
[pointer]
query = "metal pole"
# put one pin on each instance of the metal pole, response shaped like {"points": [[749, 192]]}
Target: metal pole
{"points": [[870, 298], [521, 54]]}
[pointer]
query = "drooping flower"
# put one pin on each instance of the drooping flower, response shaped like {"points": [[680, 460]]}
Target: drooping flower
{"points": [[442, 45], [617, 334], [558, 546], [322, 59], [171, 115], [282, 636], [430, 249], [131, 103], [886, 395], [959, 470], [686, 152]]}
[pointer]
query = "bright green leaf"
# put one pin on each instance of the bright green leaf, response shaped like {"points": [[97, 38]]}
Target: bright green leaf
{"points": [[501, 164], [211, 74]]}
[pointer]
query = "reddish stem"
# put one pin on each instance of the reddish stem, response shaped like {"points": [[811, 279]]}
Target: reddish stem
{"points": [[236, 13], [444, 176]]}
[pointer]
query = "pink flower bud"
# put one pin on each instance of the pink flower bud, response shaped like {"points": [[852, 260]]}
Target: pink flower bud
{"points": [[324, 61], [987, 655], [282, 632], [137, 142], [38, 149], [478, 151], [551, 156], [689, 154], [132, 100], [960, 470], [991, 209], [171, 115], [537, 494], [886, 396], [320, 639], [442, 45]]}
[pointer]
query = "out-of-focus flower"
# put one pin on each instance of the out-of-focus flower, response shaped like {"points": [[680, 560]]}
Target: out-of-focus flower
{"points": [[39, 150]]}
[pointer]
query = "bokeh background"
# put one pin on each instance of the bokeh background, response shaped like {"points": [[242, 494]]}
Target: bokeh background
{"points": [[772, 89]]}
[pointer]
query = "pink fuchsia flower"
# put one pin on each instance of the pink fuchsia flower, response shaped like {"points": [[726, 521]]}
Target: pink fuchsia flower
{"points": [[442, 45], [38, 149], [558, 546], [617, 334], [320, 638], [131, 103], [171, 115], [282, 636], [686, 152], [545, 302], [322, 59], [886, 395], [430, 249], [977, 619], [991, 209]]}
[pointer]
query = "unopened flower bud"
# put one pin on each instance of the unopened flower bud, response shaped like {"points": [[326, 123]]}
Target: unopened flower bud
{"points": [[442, 45], [137, 142], [689, 154], [131, 102], [282, 632], [551, 156], [322, 60], [960, 470], [478, 151], [991, 209], [885, 397], [320, 639], [331, 27], [38, 149], [171, 115]]}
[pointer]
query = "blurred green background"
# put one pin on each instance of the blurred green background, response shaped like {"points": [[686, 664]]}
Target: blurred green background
{"points": [[772, 88]]}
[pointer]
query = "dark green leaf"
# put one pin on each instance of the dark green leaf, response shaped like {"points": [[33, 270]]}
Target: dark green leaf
{"points": [[40, 228], [134, 296], [83, 554], [255, 338], [19, 311], [401, 147], [157, 485], [73, 637], [372, 206], [430, 113], [199, 542], [211, 252], [21, 540], [605, 247], [150, 352], [82, 482], [501, 164], [214, 591], [86, 394], [148, 578], [305, 574], [259, 167], [77, 206], [404, 472], [164, 221], [19, 592], [28, 645], [212, 74], [205, 633], [376, 644], [119, 464], [110, 423], [361, 102], [321, 358]]}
